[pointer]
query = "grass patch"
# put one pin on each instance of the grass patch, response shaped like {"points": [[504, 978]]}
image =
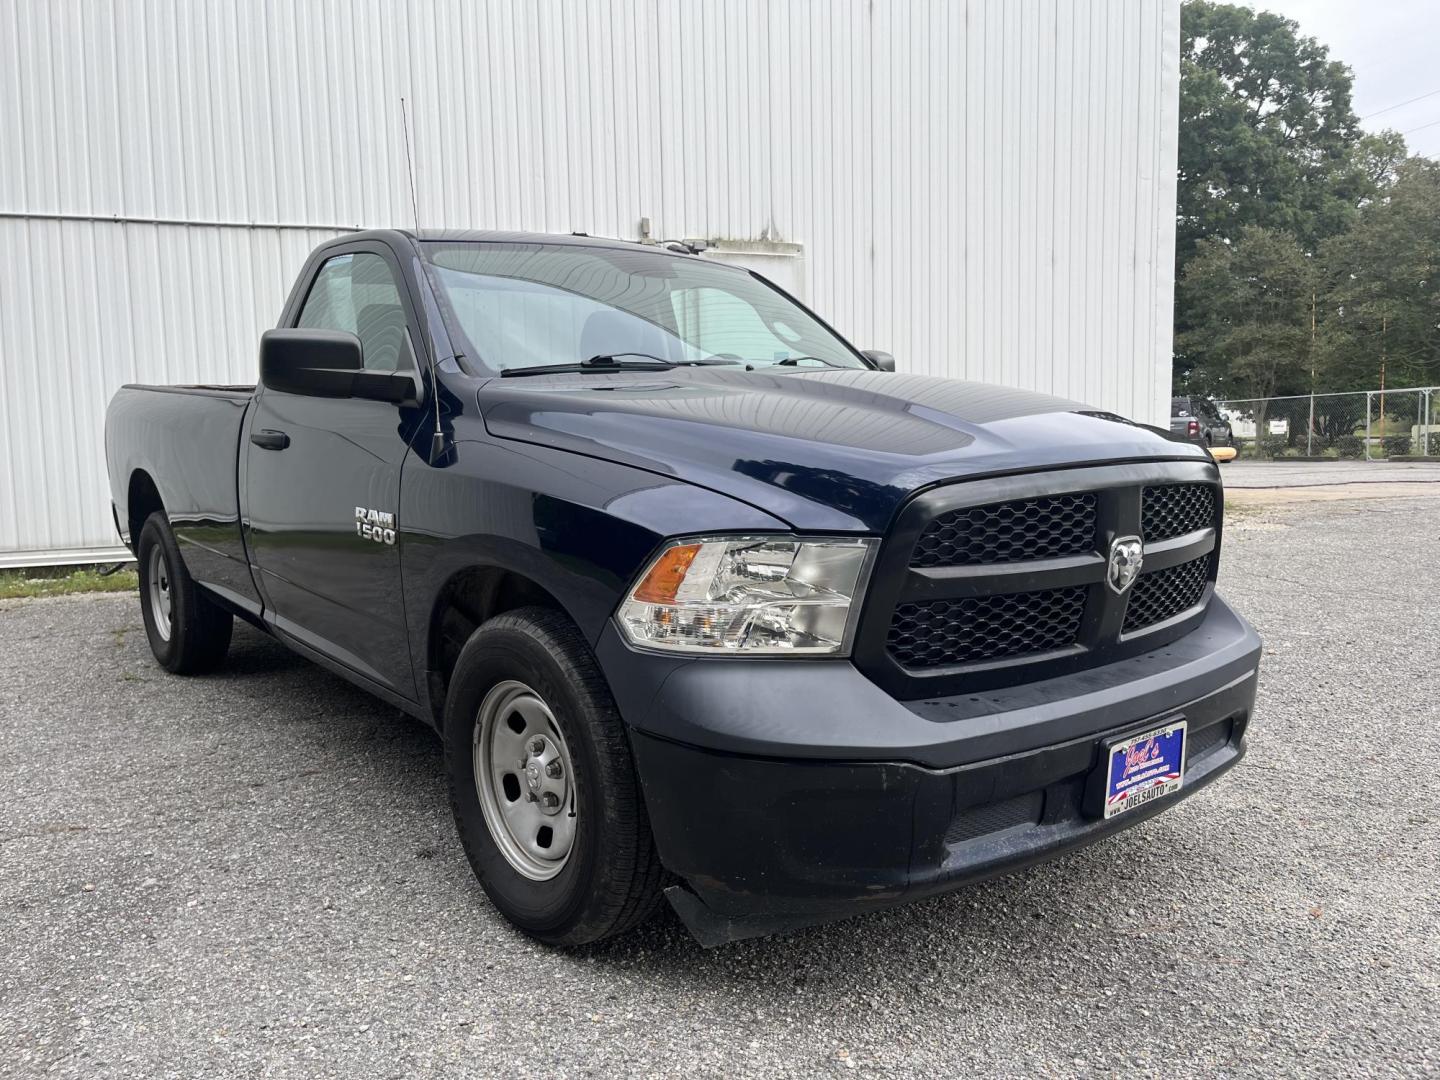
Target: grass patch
{"points": [[65, 580], [1238, 509]]}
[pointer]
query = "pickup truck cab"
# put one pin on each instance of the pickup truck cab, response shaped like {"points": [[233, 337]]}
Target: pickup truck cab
{"points": [[703, 602]]}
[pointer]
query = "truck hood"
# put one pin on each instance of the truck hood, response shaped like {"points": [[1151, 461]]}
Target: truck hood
{"points": [[824, 450]]}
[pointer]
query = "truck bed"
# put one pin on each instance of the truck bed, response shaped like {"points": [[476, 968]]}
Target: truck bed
{"points": [[182, 443]]}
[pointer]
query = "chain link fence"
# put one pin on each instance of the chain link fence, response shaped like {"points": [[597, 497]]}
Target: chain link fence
{"points": [[1370, 425]]}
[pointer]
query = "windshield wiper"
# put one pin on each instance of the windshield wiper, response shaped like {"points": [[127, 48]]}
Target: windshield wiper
{"points": [[596, 365], [794, 361], [609, 362], [605, 359]]}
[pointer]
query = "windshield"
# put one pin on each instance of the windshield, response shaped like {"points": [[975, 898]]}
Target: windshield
{"points": [[537, 305]]}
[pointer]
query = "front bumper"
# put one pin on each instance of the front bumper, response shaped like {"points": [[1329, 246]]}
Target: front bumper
{"points": [[787, 793]]}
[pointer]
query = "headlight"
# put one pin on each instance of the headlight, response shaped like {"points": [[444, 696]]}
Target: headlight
{"points": [[750, 595]]}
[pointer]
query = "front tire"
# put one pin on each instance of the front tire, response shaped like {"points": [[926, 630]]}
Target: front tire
{"points": [[188, 632], [544, 790]]}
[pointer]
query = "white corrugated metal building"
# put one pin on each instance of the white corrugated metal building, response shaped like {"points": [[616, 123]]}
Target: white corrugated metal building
{"points": [[985, 188]]}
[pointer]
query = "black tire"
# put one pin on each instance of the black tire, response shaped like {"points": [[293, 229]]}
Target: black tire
{"points": [[611, 879], [198, 632]]}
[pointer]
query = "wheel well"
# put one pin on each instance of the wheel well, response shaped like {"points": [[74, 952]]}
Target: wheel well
{"points": [[467, 600], [141, 500]]}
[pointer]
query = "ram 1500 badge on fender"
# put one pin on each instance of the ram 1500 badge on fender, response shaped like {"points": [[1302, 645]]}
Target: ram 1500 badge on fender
{"points": [[703, 602]]}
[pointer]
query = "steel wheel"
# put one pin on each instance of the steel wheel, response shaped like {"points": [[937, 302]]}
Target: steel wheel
{"points": [[528, 713], [160, 597], [524, 780]]}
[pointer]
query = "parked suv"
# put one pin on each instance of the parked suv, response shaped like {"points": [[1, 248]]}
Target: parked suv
{"points": [[1197, 419]]}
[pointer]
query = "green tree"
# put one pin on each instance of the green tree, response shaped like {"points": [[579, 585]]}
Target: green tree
{"points": [[1250, 309], [1382, 299], [1268, 140], [1267, 133], [1378, 160]]}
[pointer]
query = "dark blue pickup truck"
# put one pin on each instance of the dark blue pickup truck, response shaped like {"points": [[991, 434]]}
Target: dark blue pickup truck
{"points": [[704, 603]]}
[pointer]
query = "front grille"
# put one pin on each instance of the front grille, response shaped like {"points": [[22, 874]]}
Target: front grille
{"points": [[1168, 510], [1000, 581], [940, 633], [1163, 594], [1045, 528]]}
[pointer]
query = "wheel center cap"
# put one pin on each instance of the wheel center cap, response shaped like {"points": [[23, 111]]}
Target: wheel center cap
{"points": [[532, 776]]}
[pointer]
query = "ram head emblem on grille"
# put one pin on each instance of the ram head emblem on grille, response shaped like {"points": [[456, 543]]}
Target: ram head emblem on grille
{"points": [[1126, 556]]}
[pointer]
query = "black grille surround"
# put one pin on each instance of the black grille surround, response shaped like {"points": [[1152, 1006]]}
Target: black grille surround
{"points": [[931, 629]]}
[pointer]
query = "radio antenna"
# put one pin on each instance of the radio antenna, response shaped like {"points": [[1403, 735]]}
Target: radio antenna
{"points": [[409, 161], [437, 437]]}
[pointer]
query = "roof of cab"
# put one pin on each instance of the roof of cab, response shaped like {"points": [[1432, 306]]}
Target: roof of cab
{"points": [[504, 236], [501, 236]]}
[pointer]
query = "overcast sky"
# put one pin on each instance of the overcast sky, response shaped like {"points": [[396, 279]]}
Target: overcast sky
{"points": [[1393, 47]]}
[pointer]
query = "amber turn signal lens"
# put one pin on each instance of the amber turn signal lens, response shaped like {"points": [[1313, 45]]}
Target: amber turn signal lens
{"points": [[665, 578]]}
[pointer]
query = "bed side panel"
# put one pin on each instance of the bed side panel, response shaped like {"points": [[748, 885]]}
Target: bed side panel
{"points": [[186, 439]]}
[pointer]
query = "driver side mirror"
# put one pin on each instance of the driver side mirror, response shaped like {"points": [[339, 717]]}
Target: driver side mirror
{"points": [[328, 363], [882, 360]]}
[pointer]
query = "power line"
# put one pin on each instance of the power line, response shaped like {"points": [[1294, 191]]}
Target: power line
{"points": [[1401, 104], [1422, 127]]}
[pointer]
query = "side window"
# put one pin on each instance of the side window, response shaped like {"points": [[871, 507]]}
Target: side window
{"points": [[358, 293]]}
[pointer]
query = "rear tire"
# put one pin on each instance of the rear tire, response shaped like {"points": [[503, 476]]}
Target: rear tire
{"points": [[544, 790], [188, 632]]}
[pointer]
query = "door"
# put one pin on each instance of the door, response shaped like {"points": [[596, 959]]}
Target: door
{"points": [[322, 481]]}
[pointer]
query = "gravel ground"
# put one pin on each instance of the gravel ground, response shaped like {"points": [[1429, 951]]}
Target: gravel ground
{"points": [[1302, 474], [256, 874]]}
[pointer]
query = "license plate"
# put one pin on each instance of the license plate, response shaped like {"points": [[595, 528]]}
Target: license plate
{"points": [[1145, 768]]}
